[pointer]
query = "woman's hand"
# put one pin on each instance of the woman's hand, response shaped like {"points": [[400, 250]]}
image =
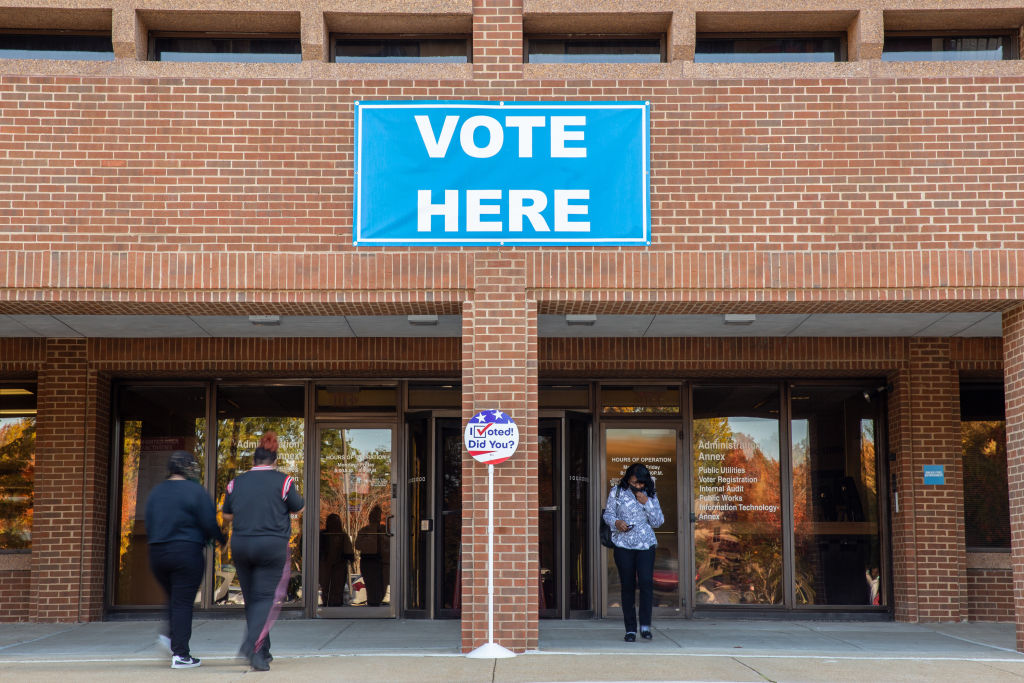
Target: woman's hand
{"points": [[621, 526], [641, 497]]}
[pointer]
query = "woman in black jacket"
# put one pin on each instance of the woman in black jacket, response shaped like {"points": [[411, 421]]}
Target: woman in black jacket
{"points": [[180, 521]]}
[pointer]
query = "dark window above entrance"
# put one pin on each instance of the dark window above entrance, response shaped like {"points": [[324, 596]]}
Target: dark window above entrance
{"points": [[402, 49], [226, 49], [594, 50], [56, 46]]}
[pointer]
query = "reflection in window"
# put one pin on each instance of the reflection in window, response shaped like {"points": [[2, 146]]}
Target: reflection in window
{"points": [[197, 49], [547, 527], [578, 501], [155, 421], [17, 464], [738, 534], [245, 414], [593, 50], [56, 46], [835, 496], [639, 400], [401, 50], [946, 48], [983, 442], [770, 49], [355, 487]]}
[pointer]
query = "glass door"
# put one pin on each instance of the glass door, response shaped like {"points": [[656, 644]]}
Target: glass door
{"points": [[658, 446], [448, 551], [355, 542]]}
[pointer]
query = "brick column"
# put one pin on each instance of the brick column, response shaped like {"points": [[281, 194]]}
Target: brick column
{"points": [[930, 556], [499, 370], [1013, 370], [58, 521], [497, 39]]}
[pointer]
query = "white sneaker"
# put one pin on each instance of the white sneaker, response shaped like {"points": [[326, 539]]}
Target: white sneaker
{"points": [[184, 662], [164, 643]]}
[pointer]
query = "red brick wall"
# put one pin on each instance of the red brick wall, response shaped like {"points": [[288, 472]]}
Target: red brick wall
{"points": [[15, 595], [990, 595], [61, 459], [935, 534], [1013, 359]]}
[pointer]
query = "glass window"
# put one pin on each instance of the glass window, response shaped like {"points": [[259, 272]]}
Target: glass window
{"points": [[639, 400], [55, 46], [354, 398], [17, 464], [435, 396], [983, 442], [245, 415], [401, 50], [737, 495], [770, 49], [578, 501], [593, 50], [199, 49], [946, 48], [155, 421], [563, 396], [835, 496]]}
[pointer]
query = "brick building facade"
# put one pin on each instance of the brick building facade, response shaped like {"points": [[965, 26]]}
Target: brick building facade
{"points": [[862, 190]]}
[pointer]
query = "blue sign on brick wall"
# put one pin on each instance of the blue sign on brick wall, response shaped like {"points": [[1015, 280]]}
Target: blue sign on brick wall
{"points": [[502, 173], [934, 474]]}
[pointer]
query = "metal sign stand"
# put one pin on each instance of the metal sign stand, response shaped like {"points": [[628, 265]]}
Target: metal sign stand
{"points": [[490, 649]]}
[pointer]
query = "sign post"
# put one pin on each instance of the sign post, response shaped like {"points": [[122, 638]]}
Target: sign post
{"points": [[491, 437]]}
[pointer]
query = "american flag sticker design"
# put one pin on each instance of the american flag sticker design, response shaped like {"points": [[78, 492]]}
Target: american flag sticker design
{"points": [[491, 437]]}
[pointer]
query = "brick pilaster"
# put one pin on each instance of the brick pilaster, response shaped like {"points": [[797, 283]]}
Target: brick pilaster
{"points": [[61, 456], [497, 38], [1013, 369], [500, 371], [928, 532]]}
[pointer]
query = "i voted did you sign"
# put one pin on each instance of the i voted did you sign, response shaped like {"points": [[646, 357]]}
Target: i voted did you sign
{"points": [[491, 437]]}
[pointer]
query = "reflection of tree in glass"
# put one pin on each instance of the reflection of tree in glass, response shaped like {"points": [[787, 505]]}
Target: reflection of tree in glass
{"points": [[743, 548], [986, 503], [131, 451], [237, 438], [353, 482], [17, 473]]}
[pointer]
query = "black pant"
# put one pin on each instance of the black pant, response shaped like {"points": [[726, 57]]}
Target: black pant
{"points": [[178, 567], [636, 567], [373, 569], [262, 564]]}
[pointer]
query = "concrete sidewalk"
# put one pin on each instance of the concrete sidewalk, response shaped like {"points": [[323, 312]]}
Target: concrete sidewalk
{"points": [[424, 651]]}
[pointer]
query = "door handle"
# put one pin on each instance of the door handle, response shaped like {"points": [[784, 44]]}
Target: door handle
{"points": [[387, 526]]}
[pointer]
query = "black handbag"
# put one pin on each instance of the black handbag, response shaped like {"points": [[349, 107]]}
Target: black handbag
{"points": [[606, 531]]}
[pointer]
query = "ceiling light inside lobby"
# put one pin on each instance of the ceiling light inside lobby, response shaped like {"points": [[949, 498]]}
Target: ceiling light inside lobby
{"points": [[580, 319]]}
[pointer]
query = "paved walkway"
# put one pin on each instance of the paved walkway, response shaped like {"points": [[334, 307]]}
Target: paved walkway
{"points": [[424, 651]]}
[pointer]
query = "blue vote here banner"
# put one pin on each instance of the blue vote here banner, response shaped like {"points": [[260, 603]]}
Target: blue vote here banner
{"points": [[502, 173]]}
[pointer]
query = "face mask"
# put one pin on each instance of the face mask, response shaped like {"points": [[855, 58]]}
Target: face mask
{"points": [[636, 489]]}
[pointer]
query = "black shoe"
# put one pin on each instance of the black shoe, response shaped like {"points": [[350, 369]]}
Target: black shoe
{"points": [[259, 662], [646, 634], [630, 638], [185, 662]]}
